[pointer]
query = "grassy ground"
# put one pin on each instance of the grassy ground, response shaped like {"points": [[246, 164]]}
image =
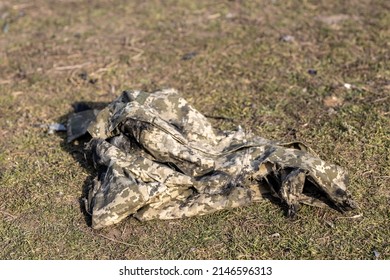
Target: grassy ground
{"points": [[250, 63]]}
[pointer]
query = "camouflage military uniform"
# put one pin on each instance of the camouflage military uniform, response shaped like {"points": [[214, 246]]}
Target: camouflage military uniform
{"points": [[161, 159]]}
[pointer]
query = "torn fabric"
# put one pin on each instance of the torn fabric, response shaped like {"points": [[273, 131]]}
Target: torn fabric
{"points": [[159, 158]]}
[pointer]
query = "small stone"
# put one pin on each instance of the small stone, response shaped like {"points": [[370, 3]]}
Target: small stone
{"points": [[331, 111], [287, 38], [347, 86], [189, 55], [376, 254], [230, 15]]}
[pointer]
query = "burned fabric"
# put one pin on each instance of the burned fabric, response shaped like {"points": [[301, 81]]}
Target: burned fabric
{"points": [[159, 158]]}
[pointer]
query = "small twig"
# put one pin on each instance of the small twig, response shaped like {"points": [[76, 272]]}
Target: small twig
{"points": [[218, 117], [105, 68], [71, 67], [380, 99], [116, 241], [353, 217], [138, 50], [138, 55], [22, 6], [367, 172], [106, 237]]}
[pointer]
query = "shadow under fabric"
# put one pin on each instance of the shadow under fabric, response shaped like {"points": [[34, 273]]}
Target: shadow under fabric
{"points": [[159, 158]]}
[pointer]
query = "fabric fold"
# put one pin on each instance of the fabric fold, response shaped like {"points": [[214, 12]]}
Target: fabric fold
{"points": [[161, 159]]}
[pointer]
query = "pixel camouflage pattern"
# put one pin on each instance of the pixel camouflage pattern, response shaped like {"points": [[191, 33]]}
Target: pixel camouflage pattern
{"points": [[161, 159]]}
